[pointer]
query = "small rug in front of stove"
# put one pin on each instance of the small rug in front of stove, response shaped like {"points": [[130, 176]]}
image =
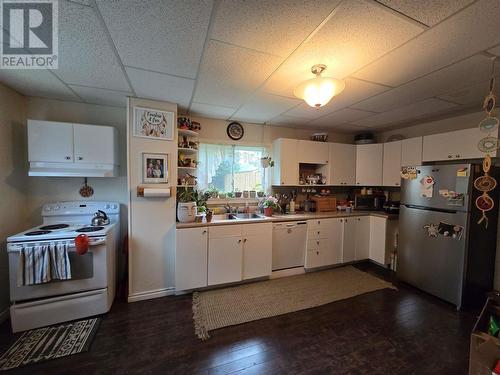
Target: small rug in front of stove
{"points": [[50, 342]]}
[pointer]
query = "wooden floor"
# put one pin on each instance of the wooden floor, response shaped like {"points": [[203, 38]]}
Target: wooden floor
{"points": [[383, 332]]}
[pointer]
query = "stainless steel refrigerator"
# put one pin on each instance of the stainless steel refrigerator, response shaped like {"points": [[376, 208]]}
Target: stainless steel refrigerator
{"points": [[442, 249]]}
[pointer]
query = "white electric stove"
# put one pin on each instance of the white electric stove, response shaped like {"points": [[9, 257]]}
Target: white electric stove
{"points": [[91, 289]]}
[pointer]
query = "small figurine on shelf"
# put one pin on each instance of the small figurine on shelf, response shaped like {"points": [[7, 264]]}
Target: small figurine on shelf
{"points": [[184, 123]]}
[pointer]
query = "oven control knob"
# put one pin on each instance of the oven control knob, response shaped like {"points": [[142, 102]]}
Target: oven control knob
{"points": [[47, 208], [56, 208], [108, 207], [115, 206]]}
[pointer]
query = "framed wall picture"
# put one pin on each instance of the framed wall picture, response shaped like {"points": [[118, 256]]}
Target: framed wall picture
{"points": [[154, 168], [152, 123]]}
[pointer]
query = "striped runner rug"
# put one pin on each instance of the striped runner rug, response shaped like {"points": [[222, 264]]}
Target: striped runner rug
{"points": [[224, 307], [50, 342]]}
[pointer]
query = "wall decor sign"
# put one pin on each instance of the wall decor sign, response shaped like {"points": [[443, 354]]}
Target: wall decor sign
{"points": [[153, 123], [154, 168]]}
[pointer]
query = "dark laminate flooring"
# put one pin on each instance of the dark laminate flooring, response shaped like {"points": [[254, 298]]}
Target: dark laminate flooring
{"points": [[384, 332]]}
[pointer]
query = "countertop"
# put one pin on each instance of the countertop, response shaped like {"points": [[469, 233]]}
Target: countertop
{"points": [[291, 217]]}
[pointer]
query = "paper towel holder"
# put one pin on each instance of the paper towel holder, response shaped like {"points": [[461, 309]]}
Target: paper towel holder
{"points": [[140, 191]]}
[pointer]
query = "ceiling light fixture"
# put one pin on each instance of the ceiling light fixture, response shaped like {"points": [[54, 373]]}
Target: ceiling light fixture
{"points": [[319, 91]]}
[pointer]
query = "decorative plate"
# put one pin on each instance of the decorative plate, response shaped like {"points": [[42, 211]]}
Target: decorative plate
{"points": [[484, 202], [489, 103], [235, 131], [488, 144], [485, 183], [489, 124]]}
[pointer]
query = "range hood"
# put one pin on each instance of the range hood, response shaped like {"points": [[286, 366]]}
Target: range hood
{"points": [[72, 170]]}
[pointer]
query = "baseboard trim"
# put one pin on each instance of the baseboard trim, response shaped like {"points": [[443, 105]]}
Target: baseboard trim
{"points": [[288, 272], [150, 294], [4, 315]]}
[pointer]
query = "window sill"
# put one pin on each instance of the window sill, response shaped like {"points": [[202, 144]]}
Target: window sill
{"points": [[232, 201]]}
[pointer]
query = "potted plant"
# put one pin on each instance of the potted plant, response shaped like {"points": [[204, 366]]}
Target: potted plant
{"points": [[260, 194], [201, 204], [230, 194], [186, 207], [266, 162], [212, 190], [270, 204], [237, 193]]}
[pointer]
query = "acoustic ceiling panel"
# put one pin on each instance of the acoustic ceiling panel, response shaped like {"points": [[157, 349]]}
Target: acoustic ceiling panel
{"points": [[264, 107], [161, 86], [472, 30], [212, 111], [229, 74], [357, 34], [429, 12], [454, 77], [275, 27], [102, 96], [341, 117], [85, 55], [161, 35], [406, 113]]}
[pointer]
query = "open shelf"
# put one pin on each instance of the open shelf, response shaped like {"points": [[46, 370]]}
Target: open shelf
{"points": [[187, 168], [187, 133], [188, 150]]}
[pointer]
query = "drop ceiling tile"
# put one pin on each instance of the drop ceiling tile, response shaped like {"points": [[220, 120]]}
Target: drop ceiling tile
{"points": [[229, 74], [275, 27], [160, 86], [341, 117], [350, 128], [41, 83], [429, 12], [468, 32], [357, 34], [211, 111], [355, 91], [283, 120], [102, 96], [85, 55], [264, 107], [164, 36], [469, 96], [407, 113], [495, 51], [462, 74]]}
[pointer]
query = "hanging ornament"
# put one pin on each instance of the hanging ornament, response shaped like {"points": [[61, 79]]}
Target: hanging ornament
{"points": [[488, 144], [86, 191]]}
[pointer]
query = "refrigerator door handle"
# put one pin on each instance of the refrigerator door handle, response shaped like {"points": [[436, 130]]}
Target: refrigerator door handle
{"points": [[417, 207]]}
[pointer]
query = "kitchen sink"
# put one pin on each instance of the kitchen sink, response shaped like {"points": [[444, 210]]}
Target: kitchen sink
{"points": [[246, 216], [223, 217]]}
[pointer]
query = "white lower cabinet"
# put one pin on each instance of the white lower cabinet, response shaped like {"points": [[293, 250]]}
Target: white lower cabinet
{"points": [[362, 241], [378, 235], [348, 239], [191, 258], [257, 250]]}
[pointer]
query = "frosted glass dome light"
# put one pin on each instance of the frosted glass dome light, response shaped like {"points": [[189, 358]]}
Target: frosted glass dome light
{"points": [[318, 91]]}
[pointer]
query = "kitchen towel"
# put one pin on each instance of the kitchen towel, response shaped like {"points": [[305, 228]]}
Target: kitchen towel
{"points": [[41, 264]]}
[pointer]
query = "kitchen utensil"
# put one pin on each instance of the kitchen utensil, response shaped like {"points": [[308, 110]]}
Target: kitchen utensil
{"points": [[100, 218]]}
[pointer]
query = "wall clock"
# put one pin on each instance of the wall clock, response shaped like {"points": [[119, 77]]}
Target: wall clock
{"points": [[235, 131]]}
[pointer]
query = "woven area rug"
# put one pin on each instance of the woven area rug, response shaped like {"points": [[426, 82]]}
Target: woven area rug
{"points": [[244, 303], [50, 342]]}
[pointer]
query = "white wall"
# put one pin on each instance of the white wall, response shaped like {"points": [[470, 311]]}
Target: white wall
{"points": [[152, 220], [13, 179], [47, 189]]}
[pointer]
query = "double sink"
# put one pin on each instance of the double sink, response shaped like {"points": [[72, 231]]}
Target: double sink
{"points": [[243, 216]]}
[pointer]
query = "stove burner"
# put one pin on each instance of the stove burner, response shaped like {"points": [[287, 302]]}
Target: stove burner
{"points": [[54, 226], [37, 233], [89, 229]]}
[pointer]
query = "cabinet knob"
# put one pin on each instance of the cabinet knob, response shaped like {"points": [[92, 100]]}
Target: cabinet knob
{"points": [[68, 157], [457, 156], [317, 242], [318, 231], [319, 222], [317, 252], [341, 220], [244, 240], [239, 241], [204, 232], [80, 158], [449, 156]]}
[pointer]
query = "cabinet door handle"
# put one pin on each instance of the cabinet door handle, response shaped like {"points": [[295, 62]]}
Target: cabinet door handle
{"points": [[449, 156], [317, 242], [318, 231], [457, 156], [68, 157], [319, 222], [317, 252], [245, 240], [80, 158], [204, 232], [341, 221], [239, 241]]}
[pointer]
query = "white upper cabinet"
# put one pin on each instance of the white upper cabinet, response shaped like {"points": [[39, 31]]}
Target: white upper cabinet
{"points": [[95, 144], [313, 152], [411, 152], [50, 142], [342, 164], [392, 164], [369, 160], [72, 150], [460, 144], [286, 164]]}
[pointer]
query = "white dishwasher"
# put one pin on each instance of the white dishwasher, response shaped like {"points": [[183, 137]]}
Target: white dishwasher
{"points": [[289, 244]]}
